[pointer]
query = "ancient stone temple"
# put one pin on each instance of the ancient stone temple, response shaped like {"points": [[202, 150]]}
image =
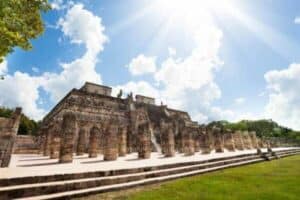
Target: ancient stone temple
{"points": [[8, 132], [90, 120]]}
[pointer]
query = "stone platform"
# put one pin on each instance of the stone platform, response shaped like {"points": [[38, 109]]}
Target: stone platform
{"points": [[28, 165]]}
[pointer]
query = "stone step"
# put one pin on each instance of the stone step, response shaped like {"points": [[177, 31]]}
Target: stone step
{"points": [[119, 179], [108, 188], [92, 174], [60, 186]]}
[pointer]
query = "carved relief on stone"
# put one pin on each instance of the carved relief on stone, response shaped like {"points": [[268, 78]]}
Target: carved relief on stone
{"points": [[247, 140]]}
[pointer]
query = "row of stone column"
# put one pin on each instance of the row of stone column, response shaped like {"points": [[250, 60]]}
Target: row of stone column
{"points": [[59, 141]]}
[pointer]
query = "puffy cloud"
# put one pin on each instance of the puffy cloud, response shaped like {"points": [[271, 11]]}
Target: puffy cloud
{"points": [[142, 65], [188, 83], [284, 99], [82, 27], [21, 89], [3, 67]]}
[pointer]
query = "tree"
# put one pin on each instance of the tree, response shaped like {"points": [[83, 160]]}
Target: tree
{"points": [[20, 21]]}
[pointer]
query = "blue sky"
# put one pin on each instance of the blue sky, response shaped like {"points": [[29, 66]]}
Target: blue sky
{"points": [[222, 60]]}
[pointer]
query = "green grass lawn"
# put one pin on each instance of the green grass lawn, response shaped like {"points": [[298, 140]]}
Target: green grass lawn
{"points": [[278, 179]]}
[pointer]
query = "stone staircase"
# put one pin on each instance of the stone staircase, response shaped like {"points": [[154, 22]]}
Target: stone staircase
{"points": [[66, 186]]}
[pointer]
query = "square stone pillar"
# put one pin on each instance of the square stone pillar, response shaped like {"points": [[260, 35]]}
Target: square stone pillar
{"points": [[228, 140], [205, 139], [247, 140], [144, 145], [218, 138], [67, 143], [47, 143], [55, 142], [238, 140]]}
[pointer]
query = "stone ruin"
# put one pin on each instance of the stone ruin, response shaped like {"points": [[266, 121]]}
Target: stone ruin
{"points": [[90, 120], [8, 132]]}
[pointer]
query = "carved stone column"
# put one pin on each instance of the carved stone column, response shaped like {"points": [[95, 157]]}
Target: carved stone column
{"points": [[47, 142], [247, 140], [169, 142], [94, 142], [144, 149], [238, 140], [197, 142], [67, 143], [205, 139], [219, 144], [228, 140], [111, 142], [123, 141], [254, 140], [189, 146], [81, 145], [55, 142]]}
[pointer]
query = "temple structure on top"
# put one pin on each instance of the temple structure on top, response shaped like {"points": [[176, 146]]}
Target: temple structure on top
{"points": [[90, 120]]}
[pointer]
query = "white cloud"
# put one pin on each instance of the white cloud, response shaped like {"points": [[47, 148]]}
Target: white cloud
{"points": [[188, 83], [239, 100], [21, 89], [82, 27], [297, 20], [60, 4], [284, 99], [142, 65], [3, 67]]}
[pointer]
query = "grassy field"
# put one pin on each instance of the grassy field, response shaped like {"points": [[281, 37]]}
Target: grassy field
{"points": [[275, 180]]}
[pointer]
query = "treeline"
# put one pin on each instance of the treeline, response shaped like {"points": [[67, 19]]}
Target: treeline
{"points": [[27, 126], [263, 128]]}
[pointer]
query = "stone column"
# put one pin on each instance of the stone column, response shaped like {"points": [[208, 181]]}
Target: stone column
{"points": [[219, 144], [238, 140], [205, 141], [189, 146], [94, 142], [81, 145], [228, 140], [169, 142], [253, 138], [111, 142], [197, 142], [144, 149], [123, 141], [67, 143], [47, 142], [247, 140], [55, 142]]}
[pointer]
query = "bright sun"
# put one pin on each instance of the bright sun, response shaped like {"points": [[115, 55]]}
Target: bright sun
{"points": [[194, 8]]}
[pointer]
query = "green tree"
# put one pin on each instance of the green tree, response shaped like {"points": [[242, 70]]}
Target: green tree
{"points": [[20, 21]]}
